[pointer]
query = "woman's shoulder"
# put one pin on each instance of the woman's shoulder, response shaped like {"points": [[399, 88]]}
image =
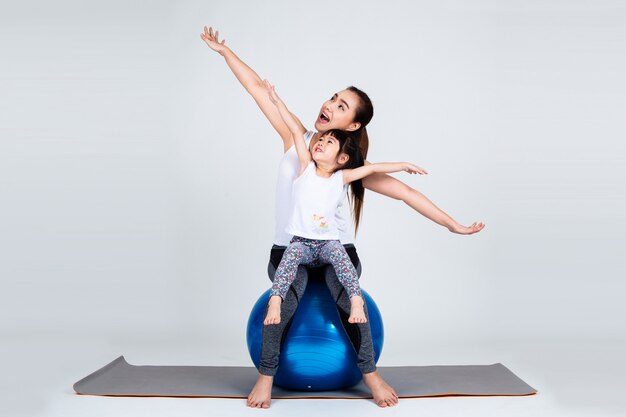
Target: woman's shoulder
{"points": [[308, 135]]}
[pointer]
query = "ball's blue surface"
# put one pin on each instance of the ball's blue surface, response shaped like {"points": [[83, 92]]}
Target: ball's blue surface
{"points": [[317, 354]]}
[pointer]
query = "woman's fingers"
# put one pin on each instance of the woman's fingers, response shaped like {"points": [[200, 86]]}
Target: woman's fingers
{"points": [[469, 230], [211, 37]]}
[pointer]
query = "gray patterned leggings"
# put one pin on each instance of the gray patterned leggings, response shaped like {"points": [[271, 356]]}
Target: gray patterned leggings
{"points": [[312, 252]]}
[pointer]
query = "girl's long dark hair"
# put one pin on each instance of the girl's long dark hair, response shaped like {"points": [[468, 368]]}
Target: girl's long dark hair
{"points": [[357, 192], [349, 145]]}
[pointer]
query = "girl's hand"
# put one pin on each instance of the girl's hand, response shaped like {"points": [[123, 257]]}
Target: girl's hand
{"points": [[413, 169], [212, 39], [462, 230], [271, 91]]}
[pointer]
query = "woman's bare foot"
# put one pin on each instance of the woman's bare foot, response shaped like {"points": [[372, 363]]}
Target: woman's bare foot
{"points": [[273, 310], [384, 395], [261, 394], [357, 312]]}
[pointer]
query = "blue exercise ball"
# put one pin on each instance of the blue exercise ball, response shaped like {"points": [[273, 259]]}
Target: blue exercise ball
{"points": [[316, 354]]}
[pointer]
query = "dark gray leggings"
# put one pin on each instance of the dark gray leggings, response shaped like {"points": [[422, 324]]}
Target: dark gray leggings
{"points": [[359, 334]]}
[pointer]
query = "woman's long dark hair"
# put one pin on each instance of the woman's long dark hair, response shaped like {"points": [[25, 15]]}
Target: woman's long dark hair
{"points": [[363, 114], [357, 151]]}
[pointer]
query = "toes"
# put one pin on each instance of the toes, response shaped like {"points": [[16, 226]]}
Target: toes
{"points": [[271, 320]]}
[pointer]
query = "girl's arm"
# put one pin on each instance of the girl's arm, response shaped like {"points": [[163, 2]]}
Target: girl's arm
{"points": [[391, 187], [350, 175], [252, 83], [296, 130]]}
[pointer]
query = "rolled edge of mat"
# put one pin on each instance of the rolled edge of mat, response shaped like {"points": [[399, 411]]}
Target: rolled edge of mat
{"points": [[77, 386], [532, 390]]}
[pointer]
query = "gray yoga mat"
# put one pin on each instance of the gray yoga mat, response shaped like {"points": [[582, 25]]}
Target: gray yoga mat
{"points": [[119, 378]]}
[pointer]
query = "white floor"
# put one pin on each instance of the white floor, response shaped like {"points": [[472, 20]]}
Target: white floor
{"points": [[573, 378]]}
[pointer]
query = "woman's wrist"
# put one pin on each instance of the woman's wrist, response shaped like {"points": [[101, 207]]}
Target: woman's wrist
{"points": [[453, 226], [224, 51]]}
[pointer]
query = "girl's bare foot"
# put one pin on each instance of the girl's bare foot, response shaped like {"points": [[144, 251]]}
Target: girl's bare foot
{"points": [[273, 310], [357, 312], [261, 394], [384, 395]]}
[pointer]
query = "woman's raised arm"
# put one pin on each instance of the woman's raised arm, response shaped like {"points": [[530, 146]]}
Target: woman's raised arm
{"points": [[391, 187], [251, 82]]}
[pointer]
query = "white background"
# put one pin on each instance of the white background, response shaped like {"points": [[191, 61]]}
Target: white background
{"points": [[137, 180]]}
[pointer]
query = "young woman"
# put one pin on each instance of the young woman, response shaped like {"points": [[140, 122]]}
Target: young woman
{"points": [[349, 110]]}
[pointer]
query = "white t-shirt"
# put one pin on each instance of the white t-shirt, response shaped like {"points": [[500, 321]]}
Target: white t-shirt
{"points": [[314, 202], [288, 170]]}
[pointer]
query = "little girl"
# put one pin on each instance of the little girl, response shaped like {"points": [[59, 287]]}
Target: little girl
{"points": [[317, 193]]}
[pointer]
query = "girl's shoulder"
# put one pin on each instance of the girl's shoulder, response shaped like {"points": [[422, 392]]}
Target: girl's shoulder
{"points": [[338, 175]]}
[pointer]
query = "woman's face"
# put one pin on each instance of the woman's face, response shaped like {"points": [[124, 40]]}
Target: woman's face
{"points": [[338, 112]]}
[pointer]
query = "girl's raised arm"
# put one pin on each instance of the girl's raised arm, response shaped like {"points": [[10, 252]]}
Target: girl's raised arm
{"points": [[251, 82], [391, 187], [296, 130]]}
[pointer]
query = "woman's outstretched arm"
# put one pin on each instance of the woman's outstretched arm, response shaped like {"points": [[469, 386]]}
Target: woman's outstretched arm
{"points": [[251, 81], [389, 186]]}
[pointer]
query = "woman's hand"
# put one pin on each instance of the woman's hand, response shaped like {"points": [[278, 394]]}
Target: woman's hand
{"points": [[462, 230], [212, 39], [413, 169]]}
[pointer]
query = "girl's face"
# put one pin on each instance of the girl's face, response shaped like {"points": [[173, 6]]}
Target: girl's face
{"points": [[338, 112], [326, 150]]}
